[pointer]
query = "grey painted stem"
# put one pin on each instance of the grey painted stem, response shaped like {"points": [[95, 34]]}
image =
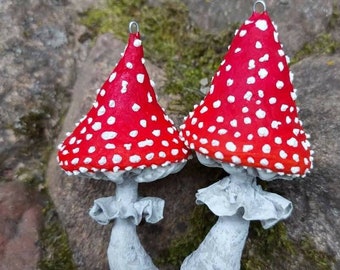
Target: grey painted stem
{"points": [[125, 252], [222, 247]]}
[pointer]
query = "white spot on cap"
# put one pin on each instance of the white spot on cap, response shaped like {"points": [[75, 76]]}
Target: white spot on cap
{"points": [[220, 119], [112, 103], [247, 147], [276, 36], [137, 43], [204, 109], [251, 64], [75, 161], [215, 143], [219, 155], [102, 92], [275, 124], [91, 149], [231, 99], [116, 159], [72, 140], [140, 78], [108, 135], [278, 140], [89, 136], [124, 87], [281, 52], [233, 123], [87, 160], [263, 132], [228, 68], [279, 85], [101, 111], [230, 82], [264, 162], [102, 161], [143, 123], [129, 65], [266, 148], [258, 45], [260, 114], [222, 131], [280, 66], [245, 109], [237, 50], [295, 170], [165, 143], [110, 146], [262, 25], [75, 150], [112, 76], [111, 120], [150, 99], [146, 142], [260, 93], [230, 146], [217, 104], [264, 58], [251, 80], [263, 73], [174, 152], [272, 100], [156, 132], [133, 133], [283, 154], [296, 157], [250, 160], [284, 107], [243, 33], [292, 142], [211, 129], [135, 159], [135, 107], [248, 95], [247, 120], [236, 159], [97, 126], [162, 154], [279, 166], [150, 156]]}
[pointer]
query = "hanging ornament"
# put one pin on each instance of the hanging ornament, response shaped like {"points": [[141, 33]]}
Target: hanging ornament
{"points": [[126, 138], [248, 125]]}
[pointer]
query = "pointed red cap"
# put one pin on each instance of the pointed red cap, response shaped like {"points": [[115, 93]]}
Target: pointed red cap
{"points": [[249, 117], [126, 128]]}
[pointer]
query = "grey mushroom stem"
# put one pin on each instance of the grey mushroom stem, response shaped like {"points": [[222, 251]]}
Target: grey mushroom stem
{"points": [[125, 250], [222, 247], [237, 200]]}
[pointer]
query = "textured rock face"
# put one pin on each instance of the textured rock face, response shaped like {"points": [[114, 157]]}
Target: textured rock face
{"points": [[40, 60], [298, 21], [317, 197], [19, 227]]}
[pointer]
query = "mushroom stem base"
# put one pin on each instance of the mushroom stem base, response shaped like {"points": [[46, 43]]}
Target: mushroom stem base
{"points": [[222, 247], [125, 252]]}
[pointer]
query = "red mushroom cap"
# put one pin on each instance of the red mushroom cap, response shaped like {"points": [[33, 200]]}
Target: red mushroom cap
{"points": [[126, 128], [249, 117]]}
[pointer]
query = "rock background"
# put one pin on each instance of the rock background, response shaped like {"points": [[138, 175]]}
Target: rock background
{"points": [[46, 68]]}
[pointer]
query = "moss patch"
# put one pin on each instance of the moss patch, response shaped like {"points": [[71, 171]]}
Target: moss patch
{"points": [[170, 41], [56, 253]]}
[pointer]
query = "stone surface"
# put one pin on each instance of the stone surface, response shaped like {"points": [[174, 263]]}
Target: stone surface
{"points": [[299, 21], [317, 197], [20, 217], [40, 61]]}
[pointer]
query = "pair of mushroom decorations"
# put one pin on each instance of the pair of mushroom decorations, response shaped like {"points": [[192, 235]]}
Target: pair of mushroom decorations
{"points": [[247, 124]]}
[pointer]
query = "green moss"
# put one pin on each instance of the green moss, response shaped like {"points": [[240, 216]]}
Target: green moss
{"points": [[200, 223], [56, 253], [273, 249], [170, 41]]}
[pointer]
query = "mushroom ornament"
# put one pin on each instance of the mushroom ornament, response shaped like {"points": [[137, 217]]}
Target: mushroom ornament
{"points": [[127, 138], [248, 125]]}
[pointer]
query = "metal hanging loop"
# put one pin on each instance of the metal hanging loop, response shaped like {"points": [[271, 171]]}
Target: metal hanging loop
{"points": [[133, 27], [264, 7]]}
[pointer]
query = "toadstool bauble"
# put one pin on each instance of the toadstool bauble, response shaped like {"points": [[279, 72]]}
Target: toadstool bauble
{"points": [[249, 116], [248, 125], [127, 138]]}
